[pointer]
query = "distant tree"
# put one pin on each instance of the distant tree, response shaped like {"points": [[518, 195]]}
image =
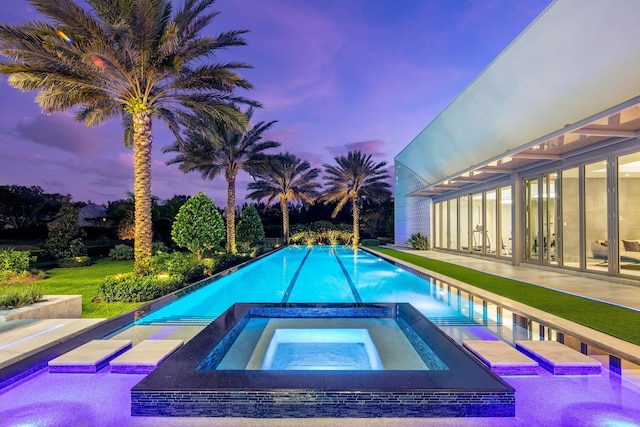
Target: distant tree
{"points": [[355, 178], [285, 178], [20, 206], [65, 237], [219, 148], [250, 229], [134, 60], [127, 225], [163, 216], [198, 226]]}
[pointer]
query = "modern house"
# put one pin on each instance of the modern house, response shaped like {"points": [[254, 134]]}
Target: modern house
{"points": [[538, 159]]}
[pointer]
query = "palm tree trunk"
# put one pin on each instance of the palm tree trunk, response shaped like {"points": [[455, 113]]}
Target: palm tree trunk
{"points": [[356, 221], [143, 234], [284, 207], [231, 214]]}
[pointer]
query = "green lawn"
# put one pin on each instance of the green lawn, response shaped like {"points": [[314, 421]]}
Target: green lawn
{"points": [[610, 319], [84, 281]]}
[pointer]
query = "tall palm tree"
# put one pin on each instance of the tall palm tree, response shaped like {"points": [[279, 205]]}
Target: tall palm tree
{"points": [[355, 177], [220, 148], [285, 178], [133, 59]]}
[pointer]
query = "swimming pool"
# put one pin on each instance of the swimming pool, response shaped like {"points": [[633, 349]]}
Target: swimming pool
{"points": [[316, 274]]}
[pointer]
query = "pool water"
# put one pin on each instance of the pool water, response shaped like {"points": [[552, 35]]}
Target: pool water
{"points": [[315, 274]]}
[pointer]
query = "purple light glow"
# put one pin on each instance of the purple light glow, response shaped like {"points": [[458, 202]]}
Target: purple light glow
{"points": [[103, 399]]}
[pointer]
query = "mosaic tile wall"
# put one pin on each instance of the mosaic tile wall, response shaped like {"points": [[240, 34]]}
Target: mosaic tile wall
{"points": [[318, 403]]}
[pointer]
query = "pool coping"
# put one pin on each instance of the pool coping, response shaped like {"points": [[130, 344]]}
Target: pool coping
{"points": [[178, 388]]}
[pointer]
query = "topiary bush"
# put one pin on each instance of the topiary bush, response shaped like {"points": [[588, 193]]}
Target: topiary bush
{"points": [[72, 262], [121, 253], [198, 226], [249, 229]]}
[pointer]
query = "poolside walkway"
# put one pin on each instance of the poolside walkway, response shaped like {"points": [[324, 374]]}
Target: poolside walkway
{"points": [[602, 289]]}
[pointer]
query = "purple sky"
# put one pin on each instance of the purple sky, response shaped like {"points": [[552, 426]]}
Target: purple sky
{"points": [[337, 75]]}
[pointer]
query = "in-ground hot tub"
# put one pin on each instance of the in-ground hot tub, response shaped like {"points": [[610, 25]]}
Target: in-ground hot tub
{"points": [[398, 364]]}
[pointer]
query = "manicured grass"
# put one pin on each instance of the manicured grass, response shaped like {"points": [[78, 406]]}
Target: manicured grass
{"points": [[609, 319], [85, 281]]}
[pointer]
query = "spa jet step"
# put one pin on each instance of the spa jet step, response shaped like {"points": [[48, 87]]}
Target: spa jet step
{"points": [[144, 357], [501, 358], [95, 355], [90, 357], [559, 359]]}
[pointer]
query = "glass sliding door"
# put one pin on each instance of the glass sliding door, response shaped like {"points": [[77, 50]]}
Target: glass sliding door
{"points": [[453, 224], [437, 226], [531, 226], [595, 216], [463, 207], [491, 222], [477, 230], [505, 228], [629, 214], [549, 213], [570, 218], [444, 217]]}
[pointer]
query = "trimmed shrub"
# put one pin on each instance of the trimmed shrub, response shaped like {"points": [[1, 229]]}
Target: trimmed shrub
{"points": [[249, 229], [180, 263], [19, 296], [72, 262], [370, 242], [198, 226], [65, 237], [419, 241], [121, 253], [229, 260], [385, 240], [14, 261], [129, 288]]}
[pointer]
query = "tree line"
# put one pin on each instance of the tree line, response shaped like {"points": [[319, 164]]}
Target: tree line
{"points": [[140, 61], [26, 211]]}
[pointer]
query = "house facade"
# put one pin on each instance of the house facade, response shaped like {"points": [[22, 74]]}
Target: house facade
{"points": [[538, 159]]}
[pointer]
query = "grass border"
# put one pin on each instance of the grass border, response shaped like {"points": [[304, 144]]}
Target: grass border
{"points": [[619, 322]]}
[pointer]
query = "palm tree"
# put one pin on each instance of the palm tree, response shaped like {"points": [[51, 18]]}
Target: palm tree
{"points": [[285, 178], [130, 59], [355, 177], [219, 148]]}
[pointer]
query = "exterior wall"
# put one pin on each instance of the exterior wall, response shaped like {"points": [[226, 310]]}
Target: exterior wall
{"points": [[411, 214]]}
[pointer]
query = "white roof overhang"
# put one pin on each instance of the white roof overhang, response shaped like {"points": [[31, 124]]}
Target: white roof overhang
{"points": [[568, 81]]}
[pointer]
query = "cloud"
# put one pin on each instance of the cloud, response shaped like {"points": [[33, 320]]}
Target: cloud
{"points": [[302, 41], [374, 147], [120, 167], [59, 131]]}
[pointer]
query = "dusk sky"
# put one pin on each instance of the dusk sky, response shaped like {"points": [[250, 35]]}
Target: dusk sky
{"points": [[337, 75]]}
